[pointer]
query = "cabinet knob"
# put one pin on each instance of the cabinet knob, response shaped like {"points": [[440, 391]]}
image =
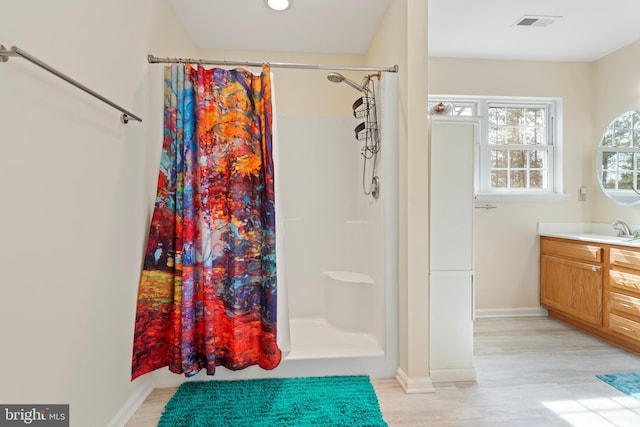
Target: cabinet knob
{"points": [[594, 268]]}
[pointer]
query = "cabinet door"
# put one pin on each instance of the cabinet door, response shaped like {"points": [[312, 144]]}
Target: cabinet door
{"points": [[451, 195], [571, 287], [451, 325]]}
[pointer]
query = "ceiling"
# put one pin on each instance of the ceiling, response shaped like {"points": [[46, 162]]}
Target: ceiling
{"points": [[586, 31], [308, 26]]}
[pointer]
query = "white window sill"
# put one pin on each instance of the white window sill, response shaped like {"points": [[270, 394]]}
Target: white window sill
{"points": [[524, 198]]}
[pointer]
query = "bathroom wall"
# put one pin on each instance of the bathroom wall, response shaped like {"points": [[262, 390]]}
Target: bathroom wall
{"points": [[506, 243], [78, 188], [401, 39], [617, 89], [319, 163]]}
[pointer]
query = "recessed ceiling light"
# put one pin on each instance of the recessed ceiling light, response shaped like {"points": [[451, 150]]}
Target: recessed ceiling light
{"points": [[279, 4]]}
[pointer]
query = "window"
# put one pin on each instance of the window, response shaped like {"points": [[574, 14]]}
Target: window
{"points": [[619, 155], [618, 159], [518, 155]]}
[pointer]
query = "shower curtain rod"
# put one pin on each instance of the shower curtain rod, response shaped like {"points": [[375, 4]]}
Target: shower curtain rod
{"points": [[155, 60], [15, 51]]}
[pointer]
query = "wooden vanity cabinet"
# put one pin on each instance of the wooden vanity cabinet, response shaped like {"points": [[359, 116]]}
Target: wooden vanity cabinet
{"points": [[594, 287]]}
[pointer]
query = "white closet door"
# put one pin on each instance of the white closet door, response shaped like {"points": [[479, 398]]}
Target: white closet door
{"points": [[451, 326], [451, 228]]}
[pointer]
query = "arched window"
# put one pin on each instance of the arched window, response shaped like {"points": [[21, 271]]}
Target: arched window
{"points": [[618, 157]]}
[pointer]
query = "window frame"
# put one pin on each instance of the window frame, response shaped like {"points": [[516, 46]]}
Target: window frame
{"points": [[482, 174]]}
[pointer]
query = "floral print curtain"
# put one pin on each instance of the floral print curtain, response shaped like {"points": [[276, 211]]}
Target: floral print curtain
{"points": [[207, 294]]}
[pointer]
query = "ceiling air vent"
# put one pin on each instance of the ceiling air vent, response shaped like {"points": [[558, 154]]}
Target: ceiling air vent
{"points": [[536, 21]]}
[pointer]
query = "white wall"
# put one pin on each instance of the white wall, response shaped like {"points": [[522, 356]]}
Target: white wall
{"points": [[617, 89], [402, 39], [506, 243], [319, 159], [78, 189]]}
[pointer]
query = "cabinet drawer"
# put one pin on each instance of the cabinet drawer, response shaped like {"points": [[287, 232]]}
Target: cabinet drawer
{"points": [[624, 258], [624, 326], [624, 281], [624, 303], [571, 250]]}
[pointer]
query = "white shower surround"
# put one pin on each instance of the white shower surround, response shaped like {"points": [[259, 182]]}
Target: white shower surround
{"points": [[333, 230]]}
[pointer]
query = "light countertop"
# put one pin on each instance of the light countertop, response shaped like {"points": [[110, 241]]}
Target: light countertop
{"points": [[588, 232]]}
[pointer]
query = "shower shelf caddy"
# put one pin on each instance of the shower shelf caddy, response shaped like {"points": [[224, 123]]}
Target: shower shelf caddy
{"points": [[367, 131], [363, 108]]}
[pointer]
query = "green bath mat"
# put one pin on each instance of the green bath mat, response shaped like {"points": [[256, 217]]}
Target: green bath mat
{"points": [[626, 382], [314, 401]]}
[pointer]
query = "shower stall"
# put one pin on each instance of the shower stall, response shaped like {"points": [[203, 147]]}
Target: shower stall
{"points": [[338, 207], [336, 183]]}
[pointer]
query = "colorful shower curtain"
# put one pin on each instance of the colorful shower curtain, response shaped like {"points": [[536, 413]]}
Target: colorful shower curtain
{"points": [[207, 294]]}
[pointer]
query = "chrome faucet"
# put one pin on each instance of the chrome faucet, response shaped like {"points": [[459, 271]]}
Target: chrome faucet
{"points": [[623, 229]]}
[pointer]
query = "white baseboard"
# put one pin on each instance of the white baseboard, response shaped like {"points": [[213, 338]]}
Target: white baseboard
{"points": [[511, 312], [414, 384], [452, 375], [145, 387]]}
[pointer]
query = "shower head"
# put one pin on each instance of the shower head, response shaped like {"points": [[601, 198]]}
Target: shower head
{"points": [[335, 77], [339, 78]]}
